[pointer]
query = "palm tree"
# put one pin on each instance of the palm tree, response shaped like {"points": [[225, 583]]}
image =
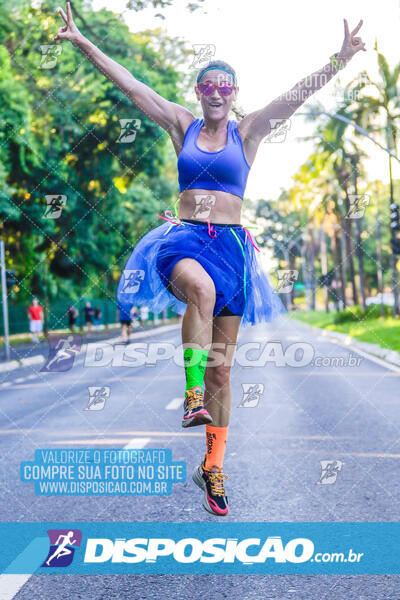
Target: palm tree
{"points": [[315, 190], [379, 113], [336, 152]]}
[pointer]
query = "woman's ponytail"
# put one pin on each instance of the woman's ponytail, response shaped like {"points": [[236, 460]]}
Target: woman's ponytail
{"points": [[238, 114]]}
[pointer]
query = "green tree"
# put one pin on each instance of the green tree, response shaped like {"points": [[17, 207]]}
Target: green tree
{"points": [[59, 132], [377, 109]]}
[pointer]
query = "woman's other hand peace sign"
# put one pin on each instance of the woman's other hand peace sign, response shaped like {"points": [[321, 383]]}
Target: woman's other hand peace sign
{"points": [[69, 31]]}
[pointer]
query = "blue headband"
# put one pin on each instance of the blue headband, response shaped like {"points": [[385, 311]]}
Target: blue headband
{"points": [[201, 73]]}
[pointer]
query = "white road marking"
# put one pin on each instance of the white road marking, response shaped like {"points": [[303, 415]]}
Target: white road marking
{"points": [[11, 584], [137, 443], [32, 360], [174, 404], [19, 380], [26, 385], [6, 383], [9, 366]]}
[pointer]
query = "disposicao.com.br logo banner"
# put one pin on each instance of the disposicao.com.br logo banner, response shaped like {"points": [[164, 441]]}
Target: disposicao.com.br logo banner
{"points": [[202, 547]]}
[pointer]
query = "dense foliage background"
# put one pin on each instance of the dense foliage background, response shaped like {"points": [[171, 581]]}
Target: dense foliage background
{"points": [[58, 136]]}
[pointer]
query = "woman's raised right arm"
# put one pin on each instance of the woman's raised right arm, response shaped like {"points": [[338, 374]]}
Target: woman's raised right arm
{"points": [[169, 115]]}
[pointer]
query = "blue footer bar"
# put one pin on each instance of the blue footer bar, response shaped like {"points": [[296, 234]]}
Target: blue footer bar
{"points": [[200, 547]]}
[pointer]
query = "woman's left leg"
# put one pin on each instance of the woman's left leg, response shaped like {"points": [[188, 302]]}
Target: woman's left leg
{"points": [[217, 396]]}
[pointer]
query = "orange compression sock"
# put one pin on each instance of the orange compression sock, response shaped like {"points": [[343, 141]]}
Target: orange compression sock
{"points": [[216, 443]]}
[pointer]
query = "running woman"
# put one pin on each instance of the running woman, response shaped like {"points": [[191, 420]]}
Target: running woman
{"points": [[202, 262]]}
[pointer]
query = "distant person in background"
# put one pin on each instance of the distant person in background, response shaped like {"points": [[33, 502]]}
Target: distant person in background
{"points": [[35, 316], [144, 315], [125, 319], [134, 316], [97, 317], [72, 315], [89, 315]]}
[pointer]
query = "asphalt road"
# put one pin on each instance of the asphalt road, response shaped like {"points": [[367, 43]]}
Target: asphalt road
{"points": [[303, 414]]}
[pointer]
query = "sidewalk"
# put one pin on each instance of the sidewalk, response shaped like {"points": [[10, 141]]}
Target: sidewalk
{"points": [[390, 358], [25, 354]]}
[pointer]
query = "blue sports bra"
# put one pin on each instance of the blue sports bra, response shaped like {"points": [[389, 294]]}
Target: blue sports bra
{"points": [[225, 170]]}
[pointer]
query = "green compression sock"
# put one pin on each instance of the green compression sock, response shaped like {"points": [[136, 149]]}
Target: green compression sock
{"points": [[195, 365]]}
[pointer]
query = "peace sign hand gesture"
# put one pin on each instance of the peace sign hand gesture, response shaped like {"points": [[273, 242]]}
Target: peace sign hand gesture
{"points": [[351, 43], [69, 31]]}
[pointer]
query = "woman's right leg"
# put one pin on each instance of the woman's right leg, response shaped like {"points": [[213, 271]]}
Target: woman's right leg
{"points": [[191, 284]]}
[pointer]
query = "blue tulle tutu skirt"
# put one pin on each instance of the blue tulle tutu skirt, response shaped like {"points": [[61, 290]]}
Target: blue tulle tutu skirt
{"points": [[225, 252]]}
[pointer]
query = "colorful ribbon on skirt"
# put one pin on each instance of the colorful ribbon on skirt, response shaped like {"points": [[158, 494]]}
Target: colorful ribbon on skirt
{"points": [[211, 231]]}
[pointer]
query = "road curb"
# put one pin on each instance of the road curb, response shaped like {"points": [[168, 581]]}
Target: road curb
{"points": [[11, 365], [390, 357]]}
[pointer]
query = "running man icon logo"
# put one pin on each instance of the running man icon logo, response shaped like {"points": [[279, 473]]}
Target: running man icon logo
{"points": [[252, 393], [286, 280], [50, 54], [330, 470], [132, 281], [204, 204], [55, 204], [358, 204], [278, 131], [63, 543], [97, 397], [203, 53], [129, 129], [62, 352]]}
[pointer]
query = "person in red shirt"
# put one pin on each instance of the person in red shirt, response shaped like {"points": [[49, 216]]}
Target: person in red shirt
{"points": [[35, 315]]}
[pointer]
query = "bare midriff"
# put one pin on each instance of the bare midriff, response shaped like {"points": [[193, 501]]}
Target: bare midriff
{"points": [[216, 207]]}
